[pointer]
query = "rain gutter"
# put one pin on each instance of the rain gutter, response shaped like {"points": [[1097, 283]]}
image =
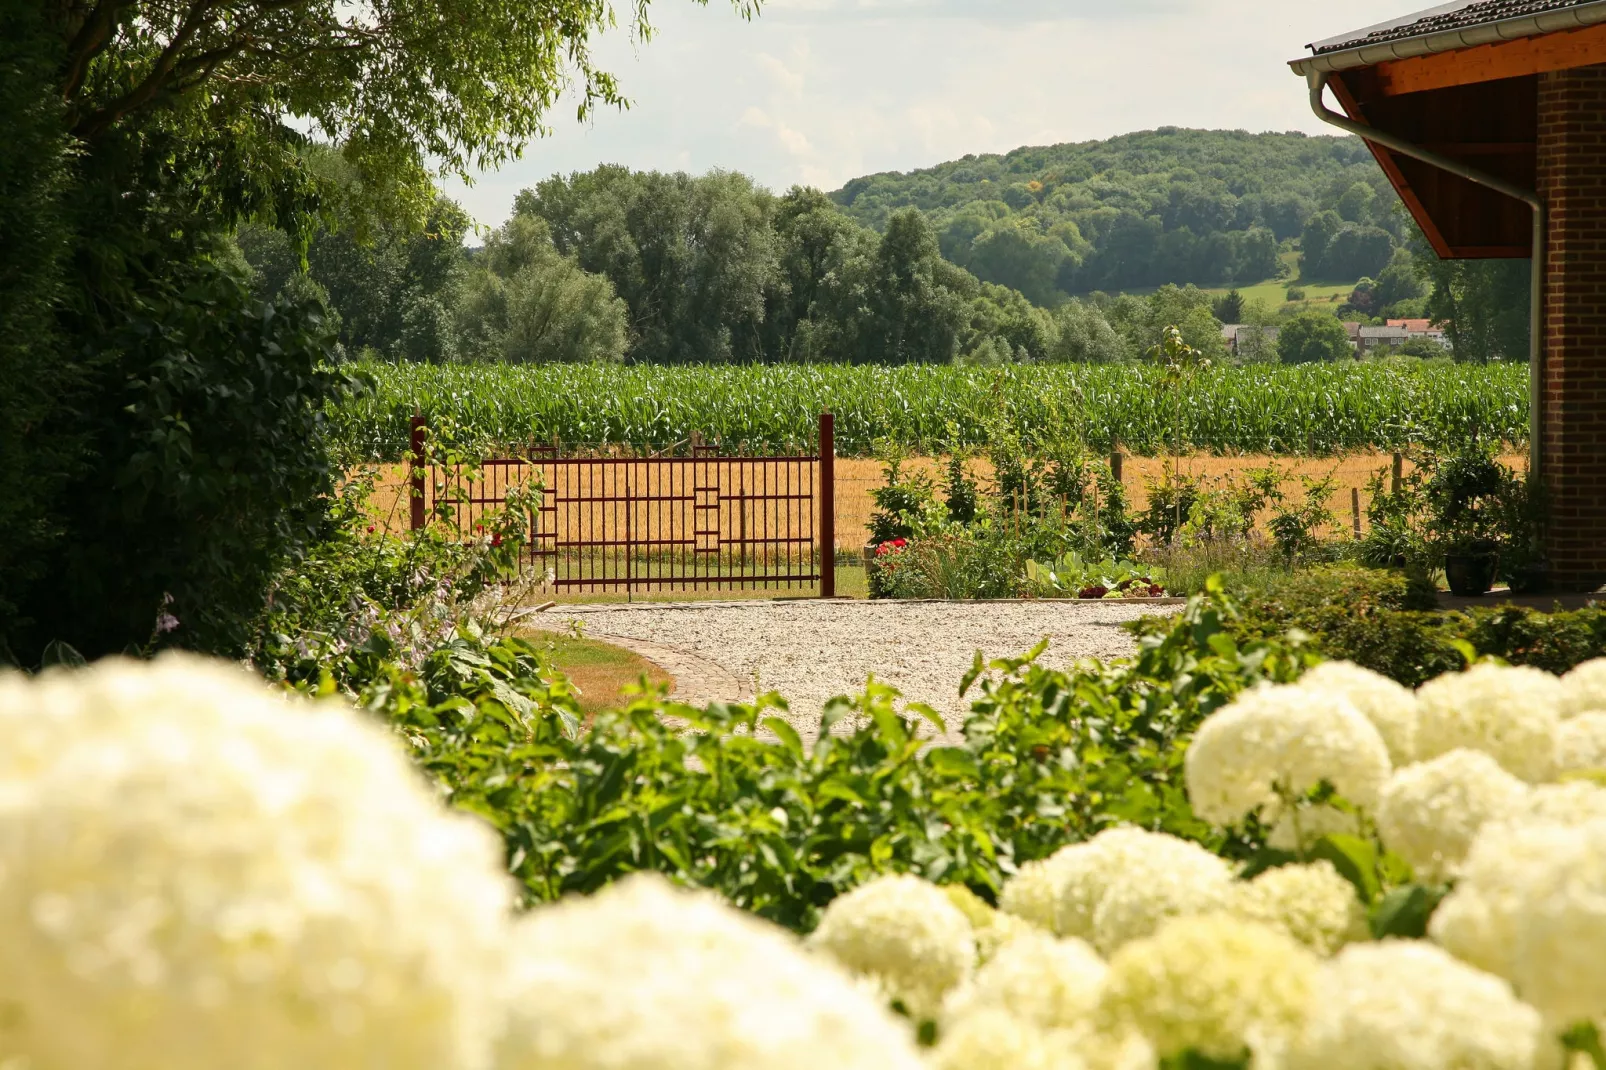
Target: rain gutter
{"points": [[1318, 80], [1367, 55]]}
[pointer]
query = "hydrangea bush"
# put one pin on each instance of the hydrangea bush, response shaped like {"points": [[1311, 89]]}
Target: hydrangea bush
{"points": [[197, 870]]}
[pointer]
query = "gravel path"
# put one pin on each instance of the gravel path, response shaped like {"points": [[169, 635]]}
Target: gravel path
{"points": [[812, 651]]}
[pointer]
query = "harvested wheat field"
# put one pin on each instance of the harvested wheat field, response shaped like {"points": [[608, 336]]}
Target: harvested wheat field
{"points": [[778, 498]]}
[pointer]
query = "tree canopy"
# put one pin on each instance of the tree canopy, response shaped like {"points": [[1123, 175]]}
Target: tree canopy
{"points": [[1208, 207]]}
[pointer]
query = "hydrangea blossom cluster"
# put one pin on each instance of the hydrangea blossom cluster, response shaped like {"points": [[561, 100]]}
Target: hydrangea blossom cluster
{"points": [[1124, 882], [904, 934], [1529, 881], [1052, 983], [1406, 1004], [1032, 892], [1311, 903], [992, 929], [1583, 689], [1510, 714], [643, 976], [196, 871], [1431, 811], [1581, 744], [1390, 707], [1215, 984], [1277, 743]]}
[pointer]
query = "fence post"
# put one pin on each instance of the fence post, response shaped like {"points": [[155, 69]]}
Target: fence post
{"points": [[827, 505], [1355, 508], [416, 489], [1116, 462], [1397, 475]]}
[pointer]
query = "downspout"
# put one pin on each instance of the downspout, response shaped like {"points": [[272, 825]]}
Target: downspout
{"points": [[1536, 322]]}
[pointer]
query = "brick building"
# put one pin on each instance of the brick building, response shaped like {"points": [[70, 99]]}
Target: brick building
{"points": [[1489, 117]]}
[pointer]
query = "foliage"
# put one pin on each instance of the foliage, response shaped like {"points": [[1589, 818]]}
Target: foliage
{"points": [[1482, 304], [212, 460], [1314, 409], [1166, 206], [1387, 622], [1072, 575], [1048, 758], [1313, 338]]}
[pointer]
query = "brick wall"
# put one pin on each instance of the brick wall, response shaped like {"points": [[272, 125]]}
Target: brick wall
{"points": [[1572, 179]]}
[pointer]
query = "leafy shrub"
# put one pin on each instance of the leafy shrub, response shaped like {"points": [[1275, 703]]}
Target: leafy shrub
{"points": [[1388, 622], [738, 803], [213, 466]]}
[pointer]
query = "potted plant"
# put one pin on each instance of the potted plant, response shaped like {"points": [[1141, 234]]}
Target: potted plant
{"points": [[1471, 558]]}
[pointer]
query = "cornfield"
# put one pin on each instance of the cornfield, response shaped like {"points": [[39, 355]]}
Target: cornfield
{"points": [[1314, 410]]}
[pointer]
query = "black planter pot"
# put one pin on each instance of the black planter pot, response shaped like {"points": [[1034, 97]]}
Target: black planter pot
{"points": [[1470, 575], [1529, 579]]}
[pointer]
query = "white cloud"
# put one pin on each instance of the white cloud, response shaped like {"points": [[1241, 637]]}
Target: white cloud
{"points": [[819, 91]]}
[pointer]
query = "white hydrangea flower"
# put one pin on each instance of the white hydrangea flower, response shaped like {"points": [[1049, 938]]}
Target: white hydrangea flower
{"points": [[1390, 706], [992, 929], [1314, 822], [1124, 882], [1581, 744], [1282, 740], [1031, 893], [1215, 984], [1311, 903], [1560, 962], [1406, 1005], [1051, 983], [1583, 690], [1508, 713], [1478, 921], [993, 1039], [1431, 811], [905, 934], [197, 871], [645, 976]]}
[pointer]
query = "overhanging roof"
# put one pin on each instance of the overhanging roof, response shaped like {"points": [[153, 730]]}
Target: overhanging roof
{"points": [[1462, 80], [1448, 28]]}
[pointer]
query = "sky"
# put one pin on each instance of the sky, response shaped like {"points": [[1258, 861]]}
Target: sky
{"points": [[816, 92]]}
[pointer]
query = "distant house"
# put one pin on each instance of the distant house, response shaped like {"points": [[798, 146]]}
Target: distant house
{"points": [[1237, 334], [1422, 326], [1372, 337]]}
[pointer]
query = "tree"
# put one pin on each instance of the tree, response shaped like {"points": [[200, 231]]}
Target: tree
{"points": [[169, 124], [1086, 337], [1483, 306], [525, 303], [1230, 308], [1356, 251], [1313, 242], [1311, 337]]}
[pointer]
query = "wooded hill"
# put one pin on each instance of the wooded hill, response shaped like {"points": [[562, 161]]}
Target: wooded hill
{"points": [[1208, 207]]}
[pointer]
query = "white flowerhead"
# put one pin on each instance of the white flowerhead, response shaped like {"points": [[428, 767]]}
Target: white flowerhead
{"points": [[1560, 950], [1048, 982], [1510, 714], [1124, 882], [1583, 690], [1391, 707], [1215, 984], [1311, 903], [197, 871], [644, 976], [1406, 1005], [994, 1039], [903, 933], [1430, 812], [1299, 827], [992, 929], [1581, 744], [1276, 742], [1031, 893]]}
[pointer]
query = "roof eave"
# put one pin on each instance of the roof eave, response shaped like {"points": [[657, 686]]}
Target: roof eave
{"points": [[1451, 40]]}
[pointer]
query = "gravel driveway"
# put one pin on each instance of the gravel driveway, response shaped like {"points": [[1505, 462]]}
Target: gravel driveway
{"points": [[811, 651]]}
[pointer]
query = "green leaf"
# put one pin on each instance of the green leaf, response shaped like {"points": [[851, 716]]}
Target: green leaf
{"points": [[1585, 1038], [953, 762], [1356, 861], [787, 735], [1404, 912]]}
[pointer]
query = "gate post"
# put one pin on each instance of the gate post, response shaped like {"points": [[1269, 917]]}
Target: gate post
{"points": [[416, 488], [827, 505]]}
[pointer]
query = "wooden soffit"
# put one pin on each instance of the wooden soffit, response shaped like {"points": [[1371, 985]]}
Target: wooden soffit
{"points": [[1559, 51]]}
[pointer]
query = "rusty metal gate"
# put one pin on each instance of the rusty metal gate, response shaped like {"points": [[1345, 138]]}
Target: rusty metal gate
{"points": [[703, 521]]}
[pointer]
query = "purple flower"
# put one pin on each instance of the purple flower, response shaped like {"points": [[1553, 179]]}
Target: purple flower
{"points": [[165, 623]]}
